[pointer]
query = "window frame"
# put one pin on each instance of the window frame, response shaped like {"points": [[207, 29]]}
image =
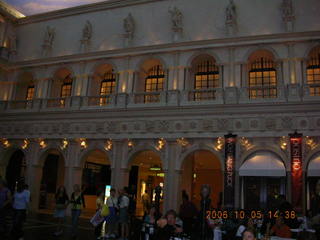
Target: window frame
{"points": [[264, 83]]}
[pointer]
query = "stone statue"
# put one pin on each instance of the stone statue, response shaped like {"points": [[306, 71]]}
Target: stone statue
{"points": [[176, 18], [87, 31], [287, 10], [231, 13], [49, 37], [128, 25]]}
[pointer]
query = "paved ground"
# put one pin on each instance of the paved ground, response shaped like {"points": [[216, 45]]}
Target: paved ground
{"points": [[42, 227]]}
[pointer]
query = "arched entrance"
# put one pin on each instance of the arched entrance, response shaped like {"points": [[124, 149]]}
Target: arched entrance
{"points": [[95, 176], [263, 179], [198, 168], [15, 169], [145, 175], [52, 177]]}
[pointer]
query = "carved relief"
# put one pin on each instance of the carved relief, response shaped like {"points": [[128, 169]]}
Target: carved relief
{"points": [[223, 124], [163, 126], [207, 125], [287, 123], [271, 124]]}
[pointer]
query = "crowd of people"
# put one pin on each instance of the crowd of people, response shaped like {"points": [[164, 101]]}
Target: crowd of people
{"points": [[115, 217]]}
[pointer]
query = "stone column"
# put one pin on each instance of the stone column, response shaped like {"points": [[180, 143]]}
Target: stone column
{"points": [[119, 168], [123, 81], [181, 77], [231, 72], [292, 70], [299, 71], [73, 166], [171, 79], [85, 84], [131, 81], [34, 181], [171, 191]]}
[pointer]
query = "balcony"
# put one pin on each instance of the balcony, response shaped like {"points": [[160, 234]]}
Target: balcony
{"points": [[215, 96]]}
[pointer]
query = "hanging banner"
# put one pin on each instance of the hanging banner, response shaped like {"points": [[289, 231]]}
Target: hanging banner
{"points": [[296, 170], [229, 178]]}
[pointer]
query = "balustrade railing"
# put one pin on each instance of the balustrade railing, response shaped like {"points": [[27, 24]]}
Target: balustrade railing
{"points": [[173, 98]]}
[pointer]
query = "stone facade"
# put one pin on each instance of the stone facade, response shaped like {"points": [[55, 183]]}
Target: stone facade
{"points": [[259, 26]]}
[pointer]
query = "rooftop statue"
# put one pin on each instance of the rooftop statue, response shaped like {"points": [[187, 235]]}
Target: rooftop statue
{"points": [[49, 36], [87, 31], [128, 25], [176, 18]]}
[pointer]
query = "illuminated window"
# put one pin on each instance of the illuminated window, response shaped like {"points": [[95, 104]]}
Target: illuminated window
{"points": [[313, 72], [262, 79], [206, 77], [30, 92], [66, 89], [108, 86], [154, 83]]}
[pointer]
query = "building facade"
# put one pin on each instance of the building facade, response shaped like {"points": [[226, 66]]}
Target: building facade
{"points": [[143, 93]]}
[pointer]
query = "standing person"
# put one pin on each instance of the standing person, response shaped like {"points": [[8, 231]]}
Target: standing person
{"points": [[123, 213], [5, 200], [99, 205], [77, 201], [205, 205], [113, 208], [62, 201], [20, 205], [149, 225], [188, 213], [145, 202]]}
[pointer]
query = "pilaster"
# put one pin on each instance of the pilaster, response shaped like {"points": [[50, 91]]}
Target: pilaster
{"points": [[172, 177]]}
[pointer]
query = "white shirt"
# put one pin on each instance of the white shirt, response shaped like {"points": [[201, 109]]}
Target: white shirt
{"points": [[124, 202], [112, 202]]}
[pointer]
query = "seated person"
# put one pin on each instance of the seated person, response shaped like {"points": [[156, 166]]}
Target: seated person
{"points": [[280, 229], [168, 226], [248, 234]]}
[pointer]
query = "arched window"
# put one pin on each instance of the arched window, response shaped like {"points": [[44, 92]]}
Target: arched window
{"points": [[313, 72], [66, 87], [262, 76], [30, 92], [107, 87], [206, 77], [154, 82]]}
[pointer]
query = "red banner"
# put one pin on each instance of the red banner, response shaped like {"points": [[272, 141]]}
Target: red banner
{"points": [[229, 178], [296, 170]]}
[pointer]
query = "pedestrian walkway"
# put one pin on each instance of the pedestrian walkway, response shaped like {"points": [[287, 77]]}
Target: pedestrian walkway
{"points": [[42, 227]]}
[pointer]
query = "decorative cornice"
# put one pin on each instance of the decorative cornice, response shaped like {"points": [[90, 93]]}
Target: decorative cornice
{"points": [[171, 47], [10, 11], [94, 7]]}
